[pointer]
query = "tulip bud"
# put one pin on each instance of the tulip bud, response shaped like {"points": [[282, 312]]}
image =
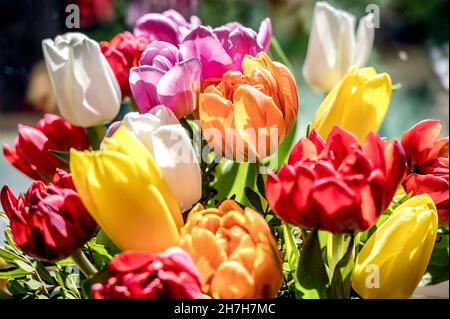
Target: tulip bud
{"points": [[358, 103], [168, 142], [126, 193], [234, 251], [394, 259], [86, 89], [31, 154], [140, 275], [333, 46], [48, 222]]}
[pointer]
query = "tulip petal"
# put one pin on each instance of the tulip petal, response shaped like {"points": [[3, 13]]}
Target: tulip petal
{"points": [[200, 43], [156, 27], [143, 83], [179, 87]]}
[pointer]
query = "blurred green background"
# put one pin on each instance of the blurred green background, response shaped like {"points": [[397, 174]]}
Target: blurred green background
{"points": [[411, 45]]}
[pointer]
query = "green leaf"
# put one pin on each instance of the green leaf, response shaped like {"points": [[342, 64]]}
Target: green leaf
{"points": [[100, 254], [61, 155], [232, 178], [44, 273], [16, 287], [25, 266], [341, 283], [101, 276], [8, 256], [437, 270], [292, 254], [254, 199], [311, 273], [261, 185], [15, 273], [104, 240], [285, 147]]}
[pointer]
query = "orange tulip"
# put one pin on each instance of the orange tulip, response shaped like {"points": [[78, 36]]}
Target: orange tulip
{"points": [[247, 115], [234, 250]]}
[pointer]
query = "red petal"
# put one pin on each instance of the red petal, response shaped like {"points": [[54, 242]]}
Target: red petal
{"points": [[339, 212], [395, 170], [130, 261], [420, 139], [303, 150], [374, 150]]}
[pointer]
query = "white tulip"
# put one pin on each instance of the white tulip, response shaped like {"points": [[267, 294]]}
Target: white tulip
{"points": [[162, 134], [334, 47], [86, 89]]}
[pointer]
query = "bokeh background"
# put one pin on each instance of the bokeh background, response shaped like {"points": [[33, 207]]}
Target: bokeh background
{"points": [[412, 45]]}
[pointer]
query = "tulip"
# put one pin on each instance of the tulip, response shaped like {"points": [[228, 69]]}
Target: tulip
{"points": [[135, 8], [333, 46], [86, 89], [394, 259], [339, 186], [140, 275], [164, 77], [123, 52], [224, 48], [234, 251], [251, 112], [126, 193], [169, 26], [49, 222], [358, 103], [428, 168], [31, 154], [94, 12], [168, 142]]}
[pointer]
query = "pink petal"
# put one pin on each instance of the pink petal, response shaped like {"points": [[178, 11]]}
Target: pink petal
{"points": [[179, 87], [143, 84]]}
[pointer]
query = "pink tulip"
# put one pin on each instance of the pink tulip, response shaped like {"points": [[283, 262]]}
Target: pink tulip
{"points": [[164, 77]]}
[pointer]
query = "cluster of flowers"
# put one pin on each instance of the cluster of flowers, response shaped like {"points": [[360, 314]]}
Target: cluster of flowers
{"points": [[340, 178]]}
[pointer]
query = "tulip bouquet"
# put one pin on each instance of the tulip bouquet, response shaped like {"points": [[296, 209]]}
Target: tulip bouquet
{"points": [[174, 170]]}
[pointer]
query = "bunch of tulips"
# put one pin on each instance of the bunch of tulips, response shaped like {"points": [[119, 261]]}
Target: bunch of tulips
{"points": [[344, 213]]}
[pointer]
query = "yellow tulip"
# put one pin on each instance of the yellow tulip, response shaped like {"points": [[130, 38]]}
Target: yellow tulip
{"points": [[126, 193], [394, 259], [358, 103]]}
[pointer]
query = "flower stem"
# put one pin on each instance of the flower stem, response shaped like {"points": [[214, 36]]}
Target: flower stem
{"points": [[83, 263], [276, 47]]}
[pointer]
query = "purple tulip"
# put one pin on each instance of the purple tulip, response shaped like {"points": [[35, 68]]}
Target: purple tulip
{"points": [[165, 77], [169, 26], [224, 48]]}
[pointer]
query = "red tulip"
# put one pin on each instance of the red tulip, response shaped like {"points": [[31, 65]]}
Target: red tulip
{"points": [[339, 186], [49, 222], [427, 157], [124, 52], [141, 275], [94, 12], [31, 155]]}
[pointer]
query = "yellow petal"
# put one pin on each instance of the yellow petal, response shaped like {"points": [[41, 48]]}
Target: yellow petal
{"points": [[394, 259]]}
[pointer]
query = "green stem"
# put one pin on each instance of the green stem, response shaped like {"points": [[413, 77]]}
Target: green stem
{"points": [[96, 135], [335, 250], [275, 45], [83, 263]]}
